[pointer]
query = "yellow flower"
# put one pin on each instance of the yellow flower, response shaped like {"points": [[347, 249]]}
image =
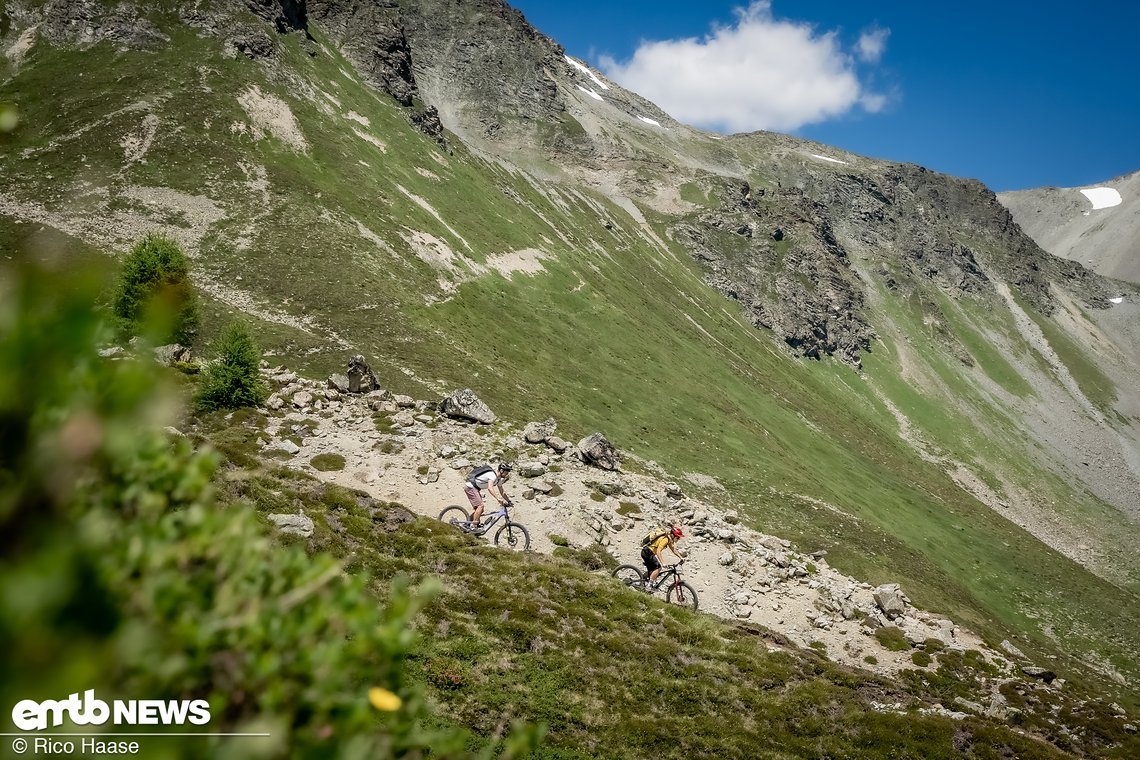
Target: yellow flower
{"points": [[382, 699]]}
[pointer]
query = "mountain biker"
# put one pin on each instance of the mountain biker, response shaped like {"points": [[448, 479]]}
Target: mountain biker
{"points": [[654, 553], [492, 480]]}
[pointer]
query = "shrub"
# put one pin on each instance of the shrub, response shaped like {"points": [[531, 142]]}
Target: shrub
{"points": [[559, 540], [892, 639], [154, 291], [627, 508], [921, 659], [154, 590], [327, 462], [233, 380], [871, 659]]}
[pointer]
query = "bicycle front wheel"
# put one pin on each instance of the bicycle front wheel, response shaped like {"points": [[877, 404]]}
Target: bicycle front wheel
{"points": [[681, 593], [629, 576], [454, 514], [513, 536]]}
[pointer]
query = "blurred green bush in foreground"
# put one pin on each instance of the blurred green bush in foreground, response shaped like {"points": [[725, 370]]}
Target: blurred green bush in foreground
{"points": [[120, 573]]}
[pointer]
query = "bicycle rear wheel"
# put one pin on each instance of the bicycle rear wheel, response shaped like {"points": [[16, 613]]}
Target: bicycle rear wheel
{"points": [[454, 514], [681, 593], [629, 576], [513, 536]]}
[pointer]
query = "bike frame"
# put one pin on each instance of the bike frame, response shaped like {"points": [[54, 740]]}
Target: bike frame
{"points": [[670, 573], [489, 520]]}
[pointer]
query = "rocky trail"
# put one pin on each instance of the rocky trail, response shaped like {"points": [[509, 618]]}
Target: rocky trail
{"points": [[418, 453]]}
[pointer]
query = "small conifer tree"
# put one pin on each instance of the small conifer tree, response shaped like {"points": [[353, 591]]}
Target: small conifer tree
{"points": [[233, 380], [155, 292]]}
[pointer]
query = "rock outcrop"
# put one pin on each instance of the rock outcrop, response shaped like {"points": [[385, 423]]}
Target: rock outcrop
{"points": [[596, 449], [465, 405]]}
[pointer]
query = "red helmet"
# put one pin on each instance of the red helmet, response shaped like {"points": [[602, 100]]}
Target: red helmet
{"points": [[677, 531]]}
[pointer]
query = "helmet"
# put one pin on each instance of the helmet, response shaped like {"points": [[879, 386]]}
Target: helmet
{"points": [[677, 531], [505, 466]]}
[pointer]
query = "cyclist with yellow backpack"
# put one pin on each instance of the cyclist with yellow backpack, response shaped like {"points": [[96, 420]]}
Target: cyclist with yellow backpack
{"points": [[653, 548]]}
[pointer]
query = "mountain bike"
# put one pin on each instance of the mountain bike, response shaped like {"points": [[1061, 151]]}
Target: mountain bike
{"points": [[510, 535], [676, 590]]}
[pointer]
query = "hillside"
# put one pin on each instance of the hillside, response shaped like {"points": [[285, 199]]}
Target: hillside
{"points": [[1091, 225], [869, 358]]}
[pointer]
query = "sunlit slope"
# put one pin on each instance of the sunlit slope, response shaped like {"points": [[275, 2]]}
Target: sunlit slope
{"points": [[311, 205]]}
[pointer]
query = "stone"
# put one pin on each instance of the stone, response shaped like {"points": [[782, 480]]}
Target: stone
{"points": [[112, 352], [531, 469], [596, 450], [1009, 648], [731, 517], [302, 399], [890, 600], [558, 444], [673, 490], [447, 452], [338, 383], [361, 379], [171, 354], [538, 432], [274, 402], [465, 405], [298, 525], [289, 447], [724, 534], [726, 559], [404, 402], [775, 544], [461, 464], [610, 488], [1042, 673]]}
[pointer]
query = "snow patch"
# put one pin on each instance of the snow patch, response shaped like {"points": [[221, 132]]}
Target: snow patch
{"points": [[827, 158], [590, 92], [1118, 299], [1102, 197], [648, 120], [586, 70]]}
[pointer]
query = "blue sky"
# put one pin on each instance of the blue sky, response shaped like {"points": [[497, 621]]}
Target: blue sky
{"points": [[1016, 94]]}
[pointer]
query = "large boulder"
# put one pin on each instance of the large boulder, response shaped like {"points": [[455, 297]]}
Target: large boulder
{"points": [[597, 450], [465, 405], [172, 354], [538, 432], [338, 383], [890, 599], [360, 376], [298, 525]]}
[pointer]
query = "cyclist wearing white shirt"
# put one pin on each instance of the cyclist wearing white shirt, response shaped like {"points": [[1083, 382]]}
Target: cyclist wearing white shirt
{"points": [[491, 480]]}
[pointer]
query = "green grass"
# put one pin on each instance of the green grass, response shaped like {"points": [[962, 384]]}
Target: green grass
{"points": [[1094, 384], [327, 462]]}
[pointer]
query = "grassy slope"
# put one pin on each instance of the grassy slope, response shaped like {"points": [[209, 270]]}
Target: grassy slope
{"points": [[598, 341], [612, 673]]}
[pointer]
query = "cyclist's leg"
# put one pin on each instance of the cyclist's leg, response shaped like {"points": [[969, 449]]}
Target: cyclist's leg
{"points": [[476, 500], [652, 565]]}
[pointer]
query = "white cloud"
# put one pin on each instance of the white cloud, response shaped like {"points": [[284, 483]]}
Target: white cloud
{"points": [[872, 43], [759, 73]]}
